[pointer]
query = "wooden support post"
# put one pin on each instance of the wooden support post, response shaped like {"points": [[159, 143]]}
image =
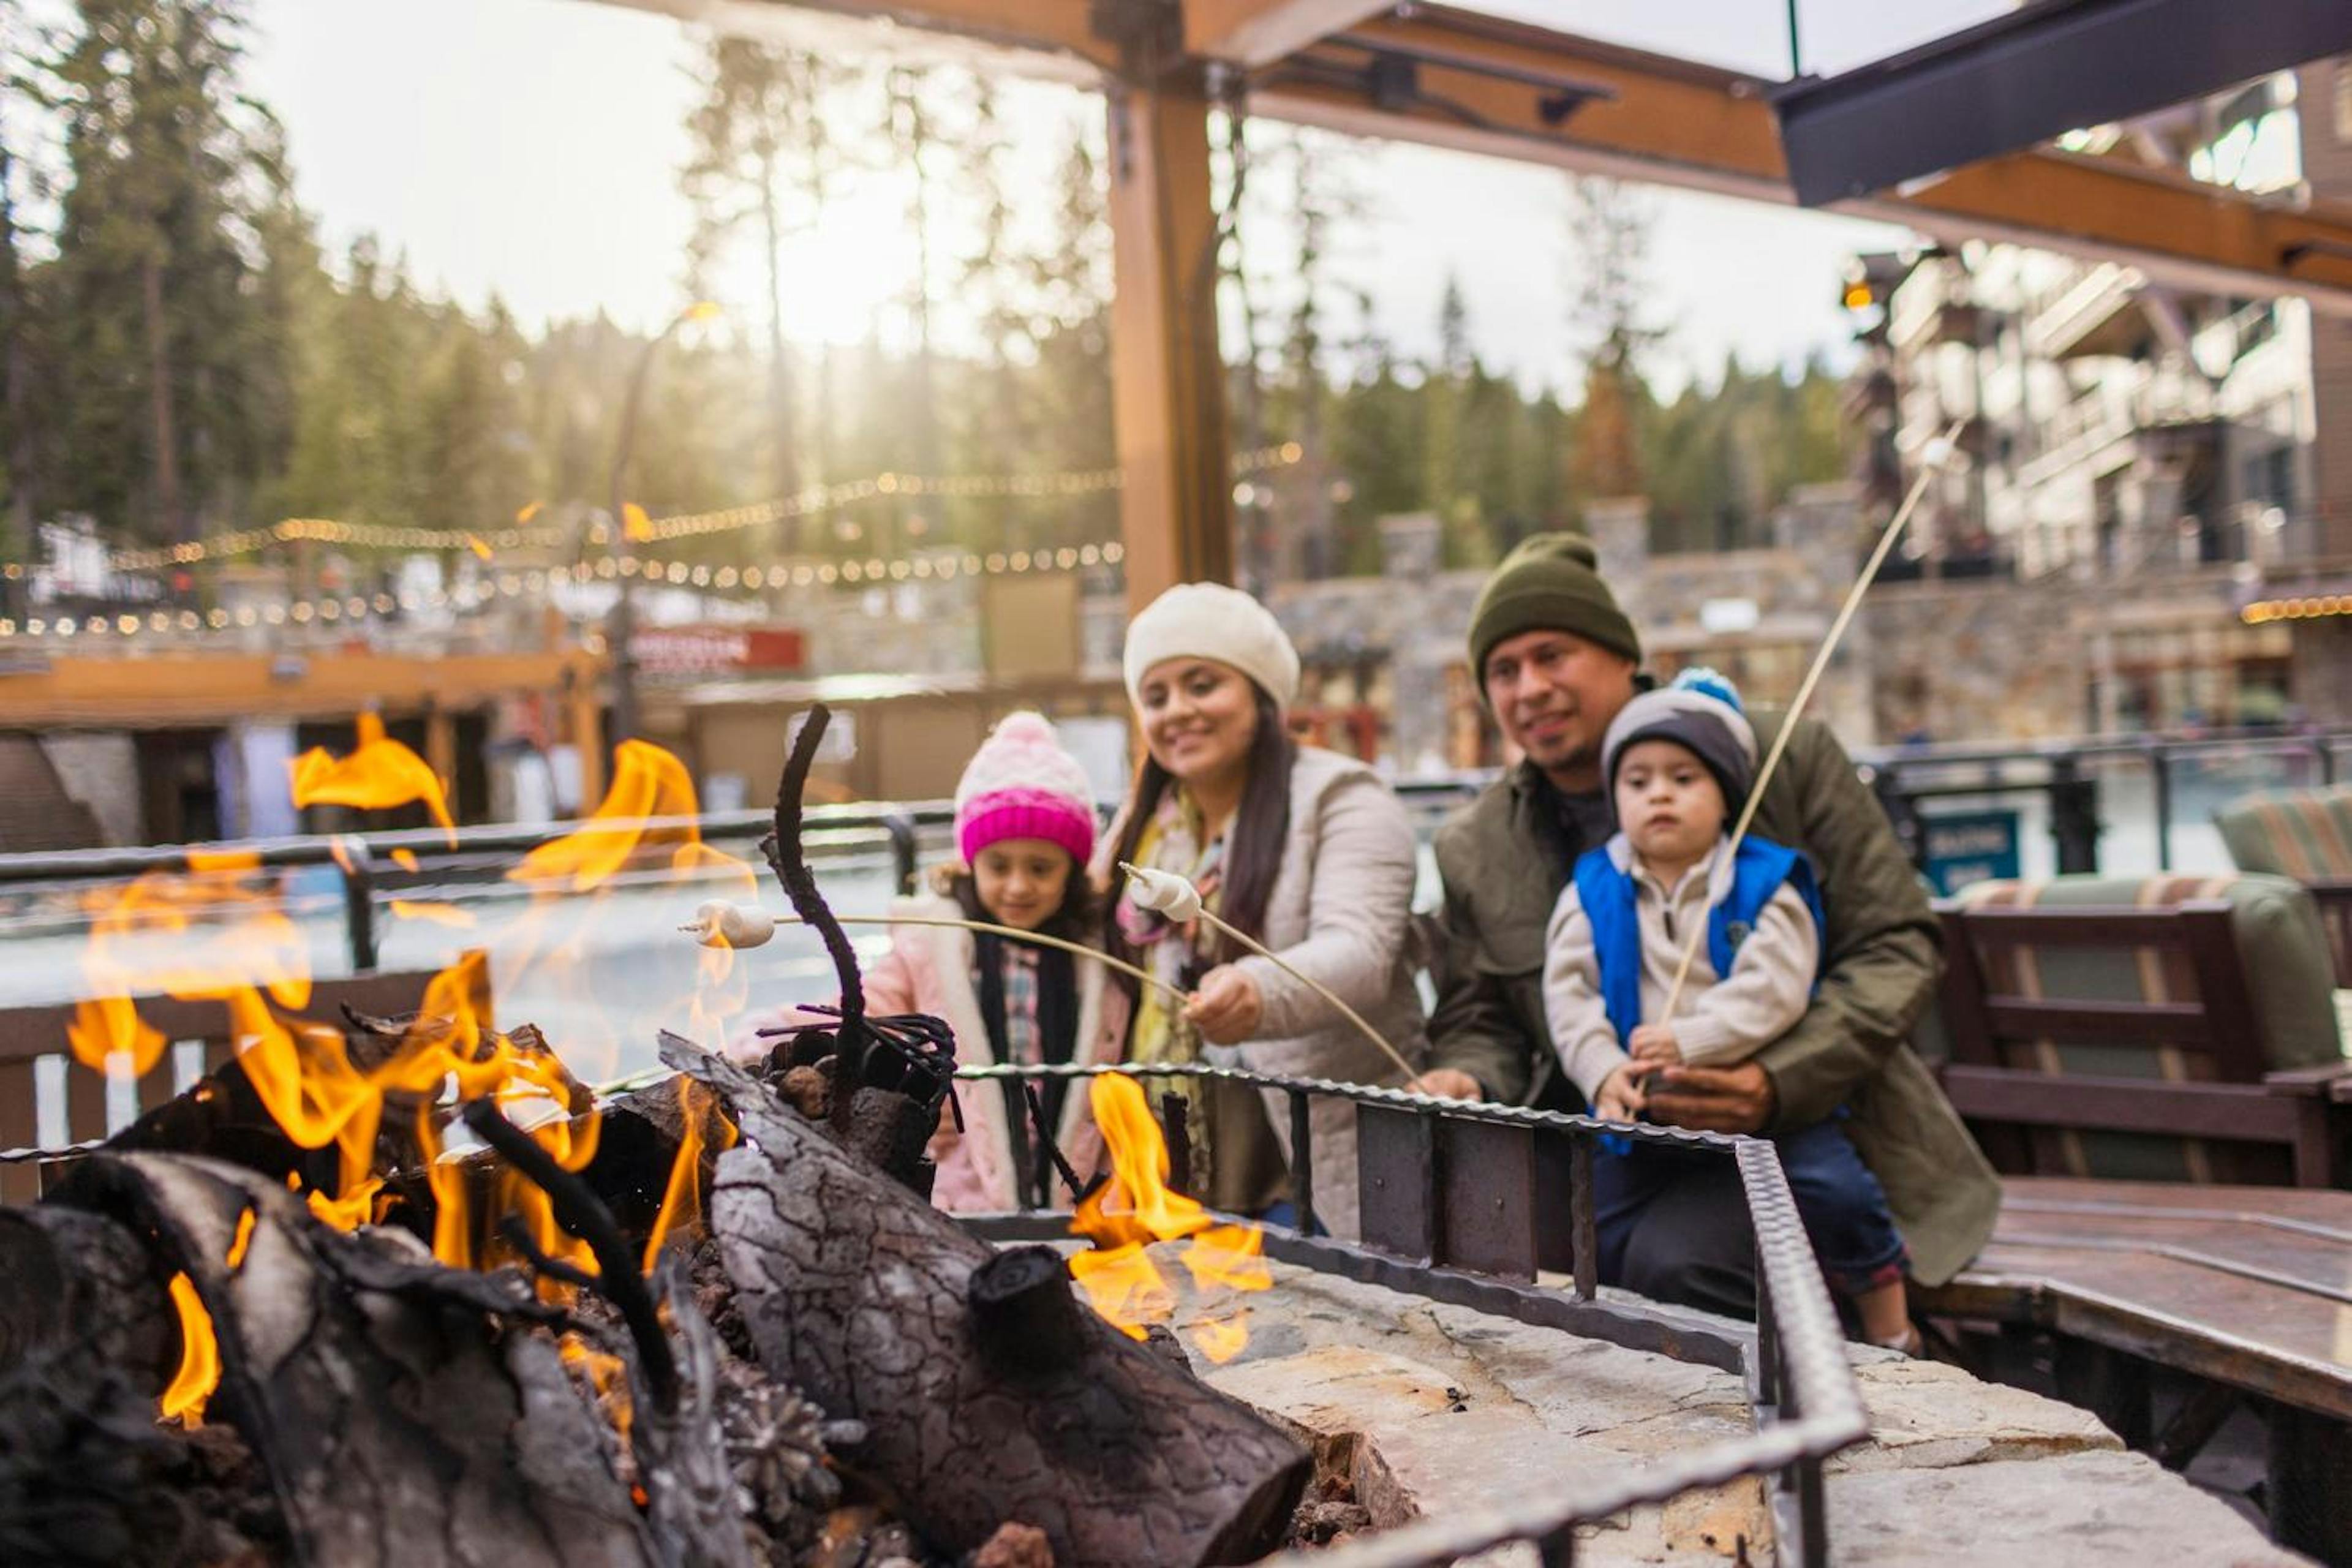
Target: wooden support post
{"points": [[2110, 1385], [2310, 1484], [441, 753], [1168, 400], [581, 695]]}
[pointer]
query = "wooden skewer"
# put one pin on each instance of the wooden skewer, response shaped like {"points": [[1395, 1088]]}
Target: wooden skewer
{"points": [[1071, 947], [1309, 982], [1805, 691]]}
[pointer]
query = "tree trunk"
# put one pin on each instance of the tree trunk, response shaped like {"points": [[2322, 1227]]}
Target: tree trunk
{"points": [[16, 388], [786, 470], [158, 400]]}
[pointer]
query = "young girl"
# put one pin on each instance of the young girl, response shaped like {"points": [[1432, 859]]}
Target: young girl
{"points": [[1025, 826]]}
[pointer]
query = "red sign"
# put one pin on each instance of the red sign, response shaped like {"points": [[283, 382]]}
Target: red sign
{"points": [[719, 650]]}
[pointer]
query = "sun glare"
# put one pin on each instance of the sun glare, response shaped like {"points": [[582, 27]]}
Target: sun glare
{"points": [[848, 275]]}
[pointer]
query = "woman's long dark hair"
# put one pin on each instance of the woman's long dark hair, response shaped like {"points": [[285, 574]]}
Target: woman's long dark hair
{"points": [[1261, 827]]}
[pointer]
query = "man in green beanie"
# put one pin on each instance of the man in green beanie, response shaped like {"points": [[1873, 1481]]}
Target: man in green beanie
{"points": [[1556, 658]]}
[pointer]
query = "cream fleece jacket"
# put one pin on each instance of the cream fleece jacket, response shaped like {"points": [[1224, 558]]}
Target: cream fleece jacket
{"points": [[1721, 1018]]}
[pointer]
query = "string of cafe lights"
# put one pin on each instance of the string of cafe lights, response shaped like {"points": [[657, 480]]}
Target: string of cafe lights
{"points": [[813, 500], [339, 610]]}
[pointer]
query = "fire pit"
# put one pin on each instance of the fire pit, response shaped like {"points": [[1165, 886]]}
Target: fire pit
{"points": [[406, 1291]]}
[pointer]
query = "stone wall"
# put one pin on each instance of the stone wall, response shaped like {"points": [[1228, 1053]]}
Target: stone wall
{"points": [[1973, 659]]}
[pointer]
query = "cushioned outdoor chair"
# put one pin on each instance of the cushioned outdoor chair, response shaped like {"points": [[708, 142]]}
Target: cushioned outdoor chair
{"points": [[2305, 834], [2166, 1029]]}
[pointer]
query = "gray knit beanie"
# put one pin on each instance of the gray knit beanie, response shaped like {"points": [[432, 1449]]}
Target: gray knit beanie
{"points": [[1700, 712], [1549, 581]]}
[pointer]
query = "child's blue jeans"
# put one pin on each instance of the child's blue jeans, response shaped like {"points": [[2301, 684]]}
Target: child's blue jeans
{"points": [[1842, 1204]]}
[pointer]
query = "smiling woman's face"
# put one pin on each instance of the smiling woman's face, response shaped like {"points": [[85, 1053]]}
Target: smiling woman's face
{"points": [[1198, 718]]}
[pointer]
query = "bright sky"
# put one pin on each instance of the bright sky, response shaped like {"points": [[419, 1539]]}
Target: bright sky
{"points": [[529, 149]]}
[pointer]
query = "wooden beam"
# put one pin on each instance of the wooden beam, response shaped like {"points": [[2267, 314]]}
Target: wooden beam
{"points": [[1671, 122], [1059, 27], [1167, 401], [441, 753], [1485, 84], [174, 690], [1259, 32]]}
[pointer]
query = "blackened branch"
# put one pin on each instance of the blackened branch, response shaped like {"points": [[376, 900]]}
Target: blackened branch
{"points": [[792, 869], [580, 1211], [1045, 1141], [517, 1236]]}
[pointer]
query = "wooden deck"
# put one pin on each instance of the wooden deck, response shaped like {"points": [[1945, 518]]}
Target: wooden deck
{"points": [[2249, 1287], [2244, 1291]]}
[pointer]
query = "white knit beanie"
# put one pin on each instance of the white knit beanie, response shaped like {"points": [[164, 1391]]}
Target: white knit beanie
{"points": [[1211, 621], [1021, 783]]}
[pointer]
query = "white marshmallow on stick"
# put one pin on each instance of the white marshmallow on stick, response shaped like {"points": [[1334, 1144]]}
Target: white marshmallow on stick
{"points": [[1166, 893]]}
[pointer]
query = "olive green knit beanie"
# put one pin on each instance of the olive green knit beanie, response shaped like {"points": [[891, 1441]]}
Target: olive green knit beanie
{"points": [[1548, 583]]}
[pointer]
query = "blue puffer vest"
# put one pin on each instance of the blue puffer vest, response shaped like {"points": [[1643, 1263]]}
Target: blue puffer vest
{"points": [[1607, 894]]}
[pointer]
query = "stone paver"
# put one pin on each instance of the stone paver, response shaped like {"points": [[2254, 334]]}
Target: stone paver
{"points": [[1448, 1407]]}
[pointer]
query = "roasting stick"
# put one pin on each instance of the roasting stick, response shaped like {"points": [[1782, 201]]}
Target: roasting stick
{"points": [[739, 926], [1165, 892], [1935, 456]]}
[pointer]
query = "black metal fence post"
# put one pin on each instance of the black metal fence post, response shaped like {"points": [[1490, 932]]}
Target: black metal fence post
{"points": [[358, 868], [2073, 816], [1886, 782], [902, 830], [1302, 1163], [2160, 772]]}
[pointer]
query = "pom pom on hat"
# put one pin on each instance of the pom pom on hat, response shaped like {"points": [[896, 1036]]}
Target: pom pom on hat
{"points": [[1211, 621], [1702, 715], [1021, 783]]}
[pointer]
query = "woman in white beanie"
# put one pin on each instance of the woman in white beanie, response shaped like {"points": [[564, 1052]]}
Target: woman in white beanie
{"points": [[1307, 851]]}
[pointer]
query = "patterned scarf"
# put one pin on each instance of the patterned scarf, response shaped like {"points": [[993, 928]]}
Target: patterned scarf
{"points": [[1177, 953]]}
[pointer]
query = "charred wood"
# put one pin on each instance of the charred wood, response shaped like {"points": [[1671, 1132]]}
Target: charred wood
{"points": [[404, 1412], [857, 1292]]}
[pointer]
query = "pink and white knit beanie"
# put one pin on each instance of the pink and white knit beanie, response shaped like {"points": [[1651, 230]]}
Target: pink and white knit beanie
{"points": [[1022, 785]]}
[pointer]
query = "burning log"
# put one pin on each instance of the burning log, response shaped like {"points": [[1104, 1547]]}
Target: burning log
{"points": [[987, 1395], [398, 1412]]}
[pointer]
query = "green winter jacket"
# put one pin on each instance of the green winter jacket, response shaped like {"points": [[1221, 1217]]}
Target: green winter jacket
{"points": [[1502, 877]]}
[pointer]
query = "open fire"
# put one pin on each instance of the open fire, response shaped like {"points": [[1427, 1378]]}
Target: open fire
{"points": [[724, 1290]]}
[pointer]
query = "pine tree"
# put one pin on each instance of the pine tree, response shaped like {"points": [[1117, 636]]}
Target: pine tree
{"points": [[1609, 230], [761, 160], [157, 253]]}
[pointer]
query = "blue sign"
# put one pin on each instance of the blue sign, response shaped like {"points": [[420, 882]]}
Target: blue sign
{"points": [[1978, 846]]}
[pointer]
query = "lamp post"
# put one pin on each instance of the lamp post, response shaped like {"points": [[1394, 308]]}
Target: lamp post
{"points": [[621, 627]]}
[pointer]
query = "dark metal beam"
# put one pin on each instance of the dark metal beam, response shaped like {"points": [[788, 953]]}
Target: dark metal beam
{"points": [[2024, 78]]}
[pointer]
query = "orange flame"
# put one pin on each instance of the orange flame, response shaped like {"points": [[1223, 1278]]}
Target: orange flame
{"points": [[199, 1371], [682, 1199], [474, 542], [379, 772], [217, 931], [605, 1375], [194, 935], [355, 1208], [242, 1239], [1136, 1207]]}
